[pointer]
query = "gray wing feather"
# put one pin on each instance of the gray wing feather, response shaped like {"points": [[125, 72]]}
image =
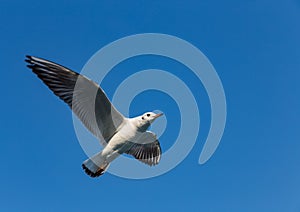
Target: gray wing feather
{"points": [[146, 149], [87, 100]]}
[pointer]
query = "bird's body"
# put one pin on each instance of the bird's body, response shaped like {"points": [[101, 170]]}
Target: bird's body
{"points": [[88, 101], [127, 136]]}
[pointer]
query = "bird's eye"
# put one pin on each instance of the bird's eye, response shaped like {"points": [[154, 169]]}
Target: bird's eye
{"points": [[148, 114]]}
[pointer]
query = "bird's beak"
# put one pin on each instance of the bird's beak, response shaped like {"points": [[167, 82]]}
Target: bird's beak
{"points": [[158, 115]]}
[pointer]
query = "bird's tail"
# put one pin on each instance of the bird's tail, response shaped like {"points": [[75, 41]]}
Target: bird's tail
{"points": [[95, 166]]}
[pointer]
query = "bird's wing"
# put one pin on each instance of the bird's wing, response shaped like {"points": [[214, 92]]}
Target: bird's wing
{"points": [[146, 149], [87, 100]]}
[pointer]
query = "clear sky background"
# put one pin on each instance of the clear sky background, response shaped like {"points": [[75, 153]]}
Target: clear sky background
{"points": [[253, 45]]}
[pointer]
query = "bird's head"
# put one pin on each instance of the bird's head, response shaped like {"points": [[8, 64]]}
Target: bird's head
{"points": [[144, 121], [149, 117]]}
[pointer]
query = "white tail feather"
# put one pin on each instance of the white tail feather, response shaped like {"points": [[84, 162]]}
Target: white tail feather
{"points": [[96, 165]]}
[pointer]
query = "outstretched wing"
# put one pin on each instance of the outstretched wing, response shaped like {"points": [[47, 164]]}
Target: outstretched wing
{"points": [[87, 100], [146, 149]]}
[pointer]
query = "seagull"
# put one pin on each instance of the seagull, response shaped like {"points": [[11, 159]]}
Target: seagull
{"points": [[90, 104]]}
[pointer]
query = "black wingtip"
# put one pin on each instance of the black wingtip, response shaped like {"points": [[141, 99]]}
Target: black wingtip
{"points": [[28, 57], [32, 58], [28, 61]]}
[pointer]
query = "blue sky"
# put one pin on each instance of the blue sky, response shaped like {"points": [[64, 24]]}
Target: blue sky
{"points": [[253, 45]]}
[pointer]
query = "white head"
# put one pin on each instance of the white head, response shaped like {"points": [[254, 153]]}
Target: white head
{"points": [[150, 116], [144, 121]]}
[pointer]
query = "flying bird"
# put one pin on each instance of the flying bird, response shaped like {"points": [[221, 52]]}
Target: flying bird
{"points": [[89, 102]]}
